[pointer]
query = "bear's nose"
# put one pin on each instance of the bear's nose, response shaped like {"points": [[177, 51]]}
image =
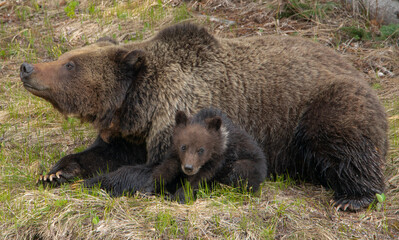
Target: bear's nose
{"points": [[188, 168], [26, 70]]}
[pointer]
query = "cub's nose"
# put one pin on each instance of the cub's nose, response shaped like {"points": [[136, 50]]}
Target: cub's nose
{"points": [[188, 168], [26, 70]]}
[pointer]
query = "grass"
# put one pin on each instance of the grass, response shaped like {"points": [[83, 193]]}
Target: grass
{"points": [[306, 9], [386, 33], [33, 136]]}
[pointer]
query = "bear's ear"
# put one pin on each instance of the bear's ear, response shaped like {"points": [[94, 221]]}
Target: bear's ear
{"points": [[134, 59], [214, 123], [107, 40], [181, 118]]}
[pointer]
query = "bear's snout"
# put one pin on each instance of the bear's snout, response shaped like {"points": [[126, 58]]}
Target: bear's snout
{"points": [[29, 76], [26, 70], [188, 168]]}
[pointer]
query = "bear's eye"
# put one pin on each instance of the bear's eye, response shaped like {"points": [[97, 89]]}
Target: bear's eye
{"points": [[183, 148], [69, 66], [201, 151]]}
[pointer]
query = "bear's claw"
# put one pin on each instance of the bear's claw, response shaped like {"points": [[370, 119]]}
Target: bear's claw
{"points": [[77, 184], [354, 205], [50, 178]]}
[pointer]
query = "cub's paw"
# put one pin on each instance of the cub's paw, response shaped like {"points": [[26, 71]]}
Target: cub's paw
{"points": [[183, 197], [179, 196], [351, 204]]}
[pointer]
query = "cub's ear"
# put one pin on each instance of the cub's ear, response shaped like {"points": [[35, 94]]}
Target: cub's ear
{"points": [[181, 118], [214, 123], [134, 59]]}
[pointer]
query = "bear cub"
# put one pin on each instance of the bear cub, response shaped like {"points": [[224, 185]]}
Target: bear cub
{"points": [[208, 148]]}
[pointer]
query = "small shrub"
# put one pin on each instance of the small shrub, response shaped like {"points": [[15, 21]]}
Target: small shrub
{"points": [[389, 31], [357, 33]]}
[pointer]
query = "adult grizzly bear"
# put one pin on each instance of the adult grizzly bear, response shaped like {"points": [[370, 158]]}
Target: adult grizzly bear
{"points": [[309, 109], [209, 147]]}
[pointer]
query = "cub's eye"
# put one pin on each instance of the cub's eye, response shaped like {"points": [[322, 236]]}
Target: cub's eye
{"points": [[183, 148], [69, 66], [201, 151]]}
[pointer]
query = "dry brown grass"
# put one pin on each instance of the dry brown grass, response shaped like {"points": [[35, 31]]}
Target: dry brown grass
{"points": [[33, 136]]}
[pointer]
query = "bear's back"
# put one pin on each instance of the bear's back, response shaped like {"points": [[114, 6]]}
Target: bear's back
{"points": [[263, 84]]}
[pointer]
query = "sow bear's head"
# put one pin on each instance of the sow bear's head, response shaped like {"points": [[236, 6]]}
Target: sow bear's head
{"points": [[196, 143], [88, 83]]}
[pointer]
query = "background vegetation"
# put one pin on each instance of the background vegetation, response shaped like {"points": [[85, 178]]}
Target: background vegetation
{"points": [[33, 136]]}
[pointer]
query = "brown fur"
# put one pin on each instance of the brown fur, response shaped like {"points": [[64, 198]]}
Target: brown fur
{"points": [[311, 111], [196, 137]]}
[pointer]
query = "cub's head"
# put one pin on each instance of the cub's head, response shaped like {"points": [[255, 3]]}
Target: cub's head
{"points": [[196, 143], [88, 83]]}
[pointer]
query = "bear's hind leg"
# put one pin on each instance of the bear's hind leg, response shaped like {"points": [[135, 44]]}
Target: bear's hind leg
{"points": [[341, 142]]}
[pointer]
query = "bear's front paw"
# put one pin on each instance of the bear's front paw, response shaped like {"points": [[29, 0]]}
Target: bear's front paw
{"points": [[64, 171], [351, 204], [52, 179]]}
